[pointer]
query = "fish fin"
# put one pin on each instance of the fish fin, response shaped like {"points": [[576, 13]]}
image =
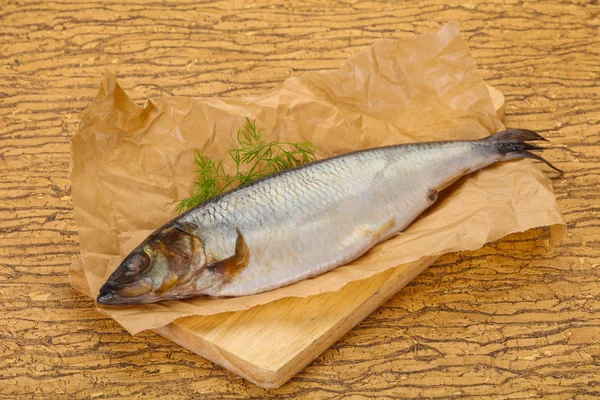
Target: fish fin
{"points": [[526, 154], [432, 195], [516, 135], [383, 230], [511, 144], [233, 265]]}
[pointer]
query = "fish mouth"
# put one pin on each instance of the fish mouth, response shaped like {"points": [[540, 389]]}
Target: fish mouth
{"points": [[109, 295]]}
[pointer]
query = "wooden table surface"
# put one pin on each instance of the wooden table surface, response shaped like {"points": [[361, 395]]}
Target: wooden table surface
{"points": [[514, 319]]}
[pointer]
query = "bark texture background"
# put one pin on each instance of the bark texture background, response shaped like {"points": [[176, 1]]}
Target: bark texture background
{"points": [[512, 320]]}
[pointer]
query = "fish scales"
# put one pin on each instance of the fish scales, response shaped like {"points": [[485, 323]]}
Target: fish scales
{"points": [[338, 205], [301, 223]]}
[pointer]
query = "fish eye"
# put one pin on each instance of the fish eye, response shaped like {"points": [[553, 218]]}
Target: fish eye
{"points": [[137, 263]]}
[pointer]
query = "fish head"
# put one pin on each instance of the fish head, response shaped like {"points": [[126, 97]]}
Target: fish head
{"points": [[163, 267]]}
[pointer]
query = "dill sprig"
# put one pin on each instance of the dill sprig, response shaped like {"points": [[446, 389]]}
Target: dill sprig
{"points": [[254, 159]]}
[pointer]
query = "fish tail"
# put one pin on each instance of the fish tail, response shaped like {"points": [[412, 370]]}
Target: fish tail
{"points": [[511, 144]]}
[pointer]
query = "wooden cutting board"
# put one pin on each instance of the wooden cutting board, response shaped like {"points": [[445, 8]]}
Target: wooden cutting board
{"points": [[269, 344]]}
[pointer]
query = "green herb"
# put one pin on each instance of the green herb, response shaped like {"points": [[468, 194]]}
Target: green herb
{"points": [[254, 159]]}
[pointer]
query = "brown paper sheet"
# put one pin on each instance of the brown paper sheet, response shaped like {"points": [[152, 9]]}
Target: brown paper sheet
{"points": [[131, 165]]}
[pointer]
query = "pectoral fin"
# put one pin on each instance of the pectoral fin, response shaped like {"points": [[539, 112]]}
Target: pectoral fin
{"points": [[233, 265]]}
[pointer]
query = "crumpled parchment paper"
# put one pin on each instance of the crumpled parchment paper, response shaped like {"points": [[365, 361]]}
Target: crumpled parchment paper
{"points": [[131, 164]]}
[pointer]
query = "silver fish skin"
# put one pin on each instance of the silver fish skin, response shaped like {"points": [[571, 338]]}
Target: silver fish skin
{"points": [[303, 222]]}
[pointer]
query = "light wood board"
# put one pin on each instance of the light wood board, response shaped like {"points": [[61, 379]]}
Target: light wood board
{"points": [[269, 344]]}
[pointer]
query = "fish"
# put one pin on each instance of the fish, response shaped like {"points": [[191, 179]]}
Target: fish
{"points": [[301, 222]]}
